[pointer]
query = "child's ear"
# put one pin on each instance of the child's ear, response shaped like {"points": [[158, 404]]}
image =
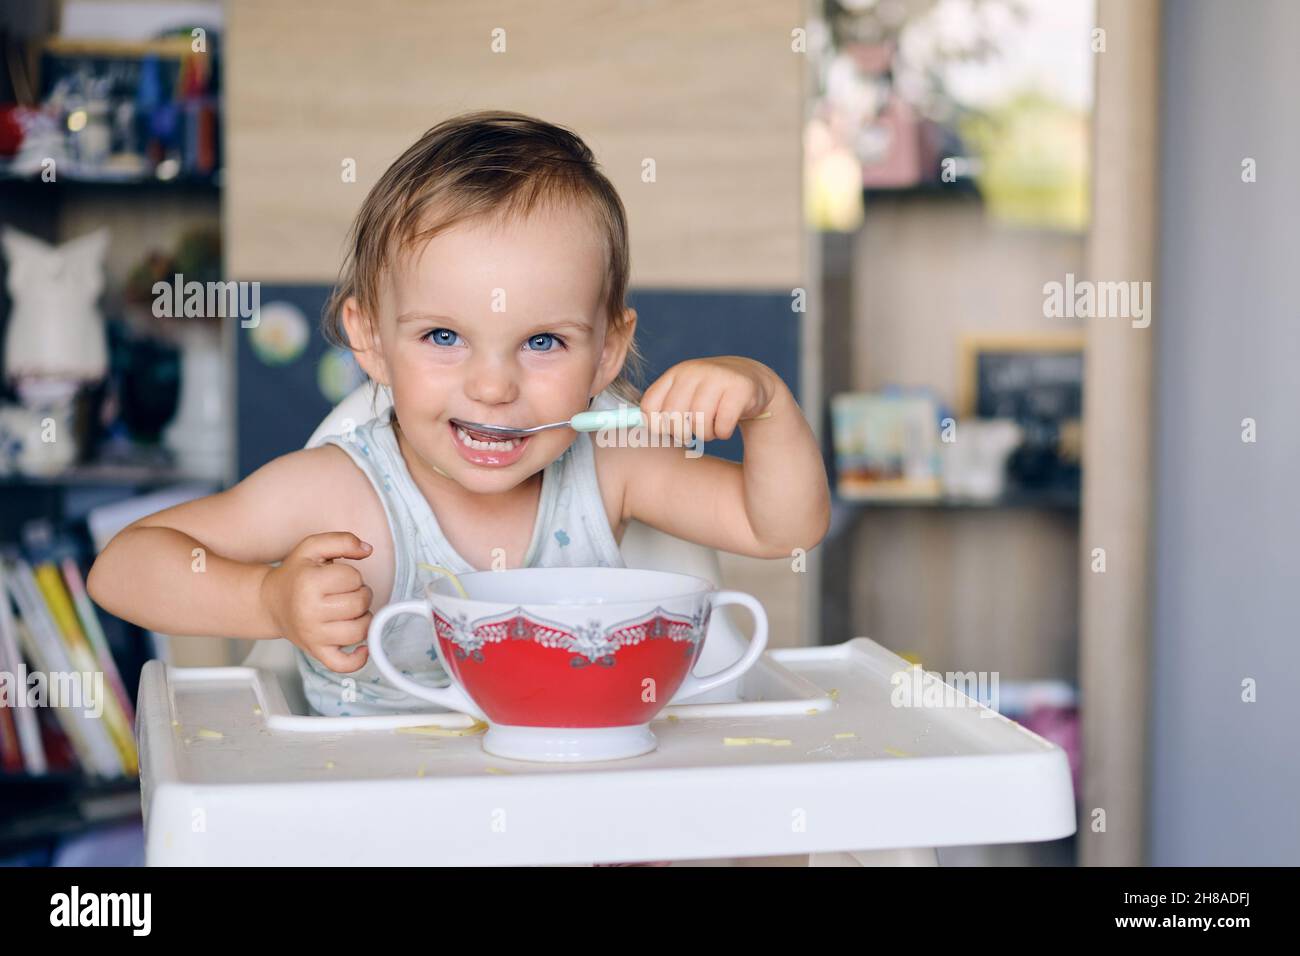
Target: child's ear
{"points": [[618, 339], [364, 339]]}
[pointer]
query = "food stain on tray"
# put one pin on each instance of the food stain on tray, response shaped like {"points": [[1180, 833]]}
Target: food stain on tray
{"points": [[436, 730]]}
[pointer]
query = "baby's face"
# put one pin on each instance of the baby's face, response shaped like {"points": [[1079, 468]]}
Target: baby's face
{"points": [[500, 325]]}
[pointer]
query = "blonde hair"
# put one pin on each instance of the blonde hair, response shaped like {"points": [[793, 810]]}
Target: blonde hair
{"points": [[489, 163]]}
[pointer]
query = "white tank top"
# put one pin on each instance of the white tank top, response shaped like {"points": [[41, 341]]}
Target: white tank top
{"points": [[571, 530]]}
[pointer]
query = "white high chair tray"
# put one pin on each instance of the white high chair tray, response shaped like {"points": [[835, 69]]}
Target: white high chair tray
{"points": [[814, 758]]}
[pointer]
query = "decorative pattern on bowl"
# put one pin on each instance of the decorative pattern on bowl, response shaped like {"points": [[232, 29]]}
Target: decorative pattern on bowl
{"points": [[592, 644]]}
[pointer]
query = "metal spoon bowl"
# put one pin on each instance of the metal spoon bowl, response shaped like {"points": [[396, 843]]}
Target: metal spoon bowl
{"points": [[505, 431]]}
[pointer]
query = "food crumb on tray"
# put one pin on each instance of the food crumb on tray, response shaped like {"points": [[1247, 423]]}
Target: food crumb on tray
{"points": [[745, 741], [435, 730]]}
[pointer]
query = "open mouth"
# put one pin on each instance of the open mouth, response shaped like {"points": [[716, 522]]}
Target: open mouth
{"points": [[482, 441]]}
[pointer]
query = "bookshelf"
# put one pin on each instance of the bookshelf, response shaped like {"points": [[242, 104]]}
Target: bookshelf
{"points": [[67, 730], [47, 515], [146, 209]]}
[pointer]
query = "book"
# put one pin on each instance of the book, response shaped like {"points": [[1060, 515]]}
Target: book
{"points": [[60, 755], [84, 659], [76, 586], [45, 647], [27, 729], [68, 721], [11, 752]]}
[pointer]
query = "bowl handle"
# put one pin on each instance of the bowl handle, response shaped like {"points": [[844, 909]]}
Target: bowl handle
{"points": [[452, 696], [693, 685]]}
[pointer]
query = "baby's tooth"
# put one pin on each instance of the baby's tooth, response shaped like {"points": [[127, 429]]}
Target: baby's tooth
{"points": [[484, 445]]}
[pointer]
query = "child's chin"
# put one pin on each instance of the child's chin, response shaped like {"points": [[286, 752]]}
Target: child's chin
{"points": [[486, 480]]}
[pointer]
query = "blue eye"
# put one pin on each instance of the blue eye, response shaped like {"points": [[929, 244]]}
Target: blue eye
{"points": [[546, 338], [436, 336]]}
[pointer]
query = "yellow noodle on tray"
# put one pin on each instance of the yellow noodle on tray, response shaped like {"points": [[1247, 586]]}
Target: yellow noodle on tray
{"points": [[436, 730], [745, 741]]}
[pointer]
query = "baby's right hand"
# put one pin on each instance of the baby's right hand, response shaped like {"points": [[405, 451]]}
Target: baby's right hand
{"points": [[319, 605]]}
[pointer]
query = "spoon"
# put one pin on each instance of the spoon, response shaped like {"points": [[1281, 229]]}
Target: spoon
{"points": [[622, 417]]}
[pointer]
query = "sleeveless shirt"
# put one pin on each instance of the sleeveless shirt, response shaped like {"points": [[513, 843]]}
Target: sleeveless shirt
{"points": [[571, 530]]}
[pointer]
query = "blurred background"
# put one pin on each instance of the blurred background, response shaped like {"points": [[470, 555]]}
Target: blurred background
{"points": [[1023, 262]]}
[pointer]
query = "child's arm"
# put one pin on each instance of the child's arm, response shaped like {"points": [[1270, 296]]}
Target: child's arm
{"points": [[776, 501], [203, 567]]}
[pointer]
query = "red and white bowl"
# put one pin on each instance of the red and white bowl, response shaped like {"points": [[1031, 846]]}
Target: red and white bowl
{"points": [[569, 664]]}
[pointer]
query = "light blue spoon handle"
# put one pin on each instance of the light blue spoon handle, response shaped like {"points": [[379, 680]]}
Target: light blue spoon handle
{"points": [[628, 416]]}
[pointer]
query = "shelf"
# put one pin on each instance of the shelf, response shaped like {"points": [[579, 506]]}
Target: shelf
{"points": [[174, 47], [846, 511], [194, 184], [42, 808], [1052, 498], [129, 476], [964, 186]]}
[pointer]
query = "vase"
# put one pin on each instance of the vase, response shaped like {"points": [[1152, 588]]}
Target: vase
{"points": [[198, 436]]}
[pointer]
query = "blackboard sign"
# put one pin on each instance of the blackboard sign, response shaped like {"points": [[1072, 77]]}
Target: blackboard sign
{"points": [[1029, 379]]}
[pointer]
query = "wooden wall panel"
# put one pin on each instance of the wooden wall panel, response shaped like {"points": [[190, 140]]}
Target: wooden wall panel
{"points": [[1115, 607], [711, 91]]}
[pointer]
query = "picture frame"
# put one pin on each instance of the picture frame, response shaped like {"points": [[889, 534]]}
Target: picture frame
{"points": [[1047, 359], [886, 446]]}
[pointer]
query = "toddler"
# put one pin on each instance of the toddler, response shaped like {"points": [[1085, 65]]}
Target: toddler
{"points": [[485, 281]]}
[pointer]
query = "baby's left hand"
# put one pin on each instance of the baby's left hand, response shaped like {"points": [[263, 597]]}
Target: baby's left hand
{"points": [[717, 393]]}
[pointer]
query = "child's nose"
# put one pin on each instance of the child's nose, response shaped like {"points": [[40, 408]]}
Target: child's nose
{"points": [[492, 384]]}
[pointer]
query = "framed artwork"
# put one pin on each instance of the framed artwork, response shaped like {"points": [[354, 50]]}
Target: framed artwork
{"points": [[1033, 376], [886, 446]]}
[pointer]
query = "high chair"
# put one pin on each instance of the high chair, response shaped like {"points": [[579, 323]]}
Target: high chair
{"points": [[808, 759]]}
